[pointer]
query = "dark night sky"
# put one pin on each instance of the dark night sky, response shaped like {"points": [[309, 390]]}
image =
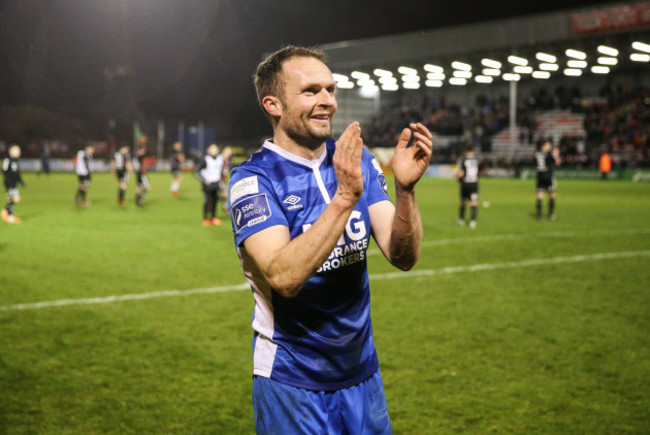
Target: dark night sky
{"points": [[194, 58]]}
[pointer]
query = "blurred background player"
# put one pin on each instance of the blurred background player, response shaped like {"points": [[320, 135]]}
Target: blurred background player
{"points": [[225, 176], [12, 177], [468, 174], [605, 164], [84, 168], [546, 158], [209, 171], [176, 161], [121, 167], [143, 187]]}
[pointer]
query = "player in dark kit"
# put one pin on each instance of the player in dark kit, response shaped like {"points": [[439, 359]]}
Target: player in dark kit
{"points": [[209, 172], [121, 167], [12, 178], [546, 158], [143, 187], [468, 175], [84, 169], [176, 160]]}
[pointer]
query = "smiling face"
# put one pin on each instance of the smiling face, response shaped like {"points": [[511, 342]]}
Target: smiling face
{"points": [[307, 105]]}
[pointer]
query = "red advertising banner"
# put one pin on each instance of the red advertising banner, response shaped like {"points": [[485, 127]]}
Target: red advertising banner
{"points": [[623, 17]]}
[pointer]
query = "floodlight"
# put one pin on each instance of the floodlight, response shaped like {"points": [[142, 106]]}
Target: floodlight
{"points": [[608, 51], [385, 80], [390, 87], [641, 46], [541, 74], [359, 75], [599, 69], [516, 60], [457, 81], [491, 72], [572, 72], [640, 57], [410, 79], [576, 63], [345, 85], [369, 91], [491, 63], [382, 73], [433, 68], [523, 69], [576, 54], [461, 66], [549, 66], [407, 71], [483, 79], [462, 74], [411, 85], [433, 83], [545, 57], [603, 60], [435, 76], [509, 77], [340, 77]]}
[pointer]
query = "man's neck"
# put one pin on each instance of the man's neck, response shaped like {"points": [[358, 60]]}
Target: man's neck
{"points": [[306, 151]]}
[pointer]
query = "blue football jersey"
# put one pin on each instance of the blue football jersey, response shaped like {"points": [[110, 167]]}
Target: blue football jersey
{"points": [[320, 339]]}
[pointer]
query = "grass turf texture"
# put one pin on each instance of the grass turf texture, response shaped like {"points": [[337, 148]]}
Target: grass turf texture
{"points": [[515, 347]]}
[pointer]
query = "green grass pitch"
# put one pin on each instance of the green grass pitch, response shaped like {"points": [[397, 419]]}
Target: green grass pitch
{"points": [[128, 320]]}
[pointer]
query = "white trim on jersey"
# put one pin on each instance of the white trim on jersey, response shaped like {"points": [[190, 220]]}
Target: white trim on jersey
{"points": [[313, 164]]}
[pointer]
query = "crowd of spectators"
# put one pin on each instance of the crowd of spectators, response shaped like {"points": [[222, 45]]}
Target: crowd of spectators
{"points": [[616, 120]]}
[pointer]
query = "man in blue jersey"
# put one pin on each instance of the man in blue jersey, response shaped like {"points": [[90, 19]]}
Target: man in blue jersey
{"points": [[303, 209]]}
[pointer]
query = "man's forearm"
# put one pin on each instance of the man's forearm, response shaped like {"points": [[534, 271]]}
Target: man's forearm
{"points": [[406, 234], [299, 259]]}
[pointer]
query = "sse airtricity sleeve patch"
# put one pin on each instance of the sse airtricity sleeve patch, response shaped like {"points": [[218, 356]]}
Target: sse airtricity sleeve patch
{"points": [[250, 211]]}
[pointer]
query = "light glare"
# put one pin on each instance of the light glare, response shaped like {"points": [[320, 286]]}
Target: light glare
{"points": [[549, 66], [641, 46], [491, 63], [433, 83], [545, 57], [640, 57], [608, 51], [603, 60], [407, 71], [541, 74], [572, 72], [462, 74], [516, 60], [483, 79], [461, 66], [599, 69], [457, 81], [491, 72], [576, 54], [433, 68], [576, 64]]}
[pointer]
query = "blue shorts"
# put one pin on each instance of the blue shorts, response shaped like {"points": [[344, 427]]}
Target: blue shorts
{"points": [[283, 409]]}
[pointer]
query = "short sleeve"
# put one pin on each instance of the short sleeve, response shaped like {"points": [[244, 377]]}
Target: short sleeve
{"points": [[252, 204], [376, 180]]}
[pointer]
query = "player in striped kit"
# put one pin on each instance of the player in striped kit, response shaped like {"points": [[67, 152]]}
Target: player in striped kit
{"points": [[468, 174], [122, 167], [546, 158], [303, 209], [84, 169], [12, 178]]}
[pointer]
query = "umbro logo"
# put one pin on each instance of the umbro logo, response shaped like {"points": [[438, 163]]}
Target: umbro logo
{"points": [[292, 202]]}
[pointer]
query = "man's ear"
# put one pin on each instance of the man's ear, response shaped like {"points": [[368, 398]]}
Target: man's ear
{"points": [[272, 105]]}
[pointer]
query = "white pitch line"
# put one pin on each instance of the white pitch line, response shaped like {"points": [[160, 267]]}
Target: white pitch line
{"points": [[392, 275], [556, 234]]}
